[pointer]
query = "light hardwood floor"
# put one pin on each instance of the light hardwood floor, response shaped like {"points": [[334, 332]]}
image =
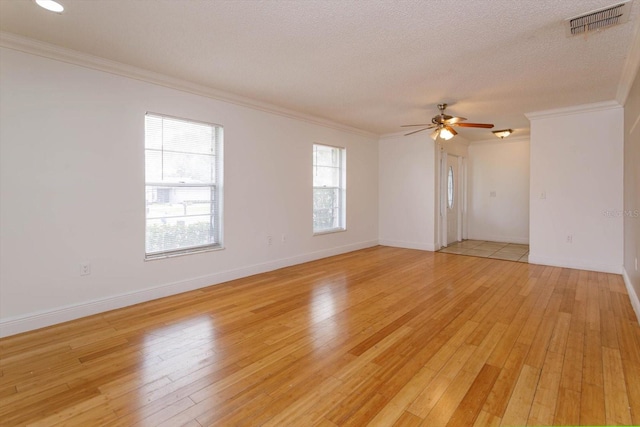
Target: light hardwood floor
{"points": [[382, 336]]}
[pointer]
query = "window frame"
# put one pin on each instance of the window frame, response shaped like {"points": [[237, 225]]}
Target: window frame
{"points": [[341, 188], [216, 189]]}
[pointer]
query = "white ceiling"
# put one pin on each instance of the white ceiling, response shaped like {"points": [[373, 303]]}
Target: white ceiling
{"points": [[370, 64]]}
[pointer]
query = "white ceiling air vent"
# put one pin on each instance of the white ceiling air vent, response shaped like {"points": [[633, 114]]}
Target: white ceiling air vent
{"points": [[599, 19]]}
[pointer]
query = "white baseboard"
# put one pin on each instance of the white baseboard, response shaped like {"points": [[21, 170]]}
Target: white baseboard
{"points": [[633, 296], [408, 245], [574, 263], [504, 239], [16, 325]]}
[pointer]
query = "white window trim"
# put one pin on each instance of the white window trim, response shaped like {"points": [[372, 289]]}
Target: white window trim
{"points": [[218, 188], [342, 191]]}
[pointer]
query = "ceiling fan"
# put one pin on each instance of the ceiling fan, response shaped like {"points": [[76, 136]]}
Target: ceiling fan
{"points": [[443, 124]]}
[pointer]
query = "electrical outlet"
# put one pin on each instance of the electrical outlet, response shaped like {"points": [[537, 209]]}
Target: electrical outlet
{"points": [[570, 238], [284, 238], [543, 195], [85, 269], [269, 240], [492, 194]]}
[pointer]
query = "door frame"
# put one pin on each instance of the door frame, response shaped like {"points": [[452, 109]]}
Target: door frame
{"points": [[461, 198]]}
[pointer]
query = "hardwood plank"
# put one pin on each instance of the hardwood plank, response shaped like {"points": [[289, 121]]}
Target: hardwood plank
{"points": [[97, 404], [433, 391], [453, 395], [631, 370], [552, 322], [167, 412], [573, 357], [367, 411], [245, 415], [407, 419], [544, 402], [356, 391], [608, 333], [616, 401], [486, 419], [592, 411], [501, 393], [593, 304], [592, 361], [304, 403], [568, 408], [470, 406], [396, 408], [519, 406]]}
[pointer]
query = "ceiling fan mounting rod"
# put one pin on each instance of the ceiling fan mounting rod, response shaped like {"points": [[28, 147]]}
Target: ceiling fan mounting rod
{"points": [[442, 117]]}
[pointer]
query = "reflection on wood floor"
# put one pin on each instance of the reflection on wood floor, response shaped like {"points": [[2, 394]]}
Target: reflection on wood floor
{"points": [[382, 336], [486, 249]]}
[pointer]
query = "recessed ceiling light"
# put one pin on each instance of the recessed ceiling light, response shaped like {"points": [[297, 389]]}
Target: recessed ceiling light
{"points": [[51, 5]]}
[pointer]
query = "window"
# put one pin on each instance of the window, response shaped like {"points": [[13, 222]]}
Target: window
{"points": [[329, 179], [183, 169]]}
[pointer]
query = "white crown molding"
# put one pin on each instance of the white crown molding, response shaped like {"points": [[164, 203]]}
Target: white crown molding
{"points": [[392, 135], [630, 69], [47, 50], [576, 109]]}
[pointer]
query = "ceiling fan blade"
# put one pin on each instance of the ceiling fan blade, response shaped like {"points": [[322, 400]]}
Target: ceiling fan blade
{"points": [[454, 120], [423, 124], [415, 131], [474, 125], [452, 130]]}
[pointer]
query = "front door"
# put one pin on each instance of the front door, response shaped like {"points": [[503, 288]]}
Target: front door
{"points": [[452, 199]]}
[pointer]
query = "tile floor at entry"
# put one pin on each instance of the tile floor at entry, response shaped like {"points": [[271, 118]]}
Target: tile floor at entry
{"points": [[484, 249]]}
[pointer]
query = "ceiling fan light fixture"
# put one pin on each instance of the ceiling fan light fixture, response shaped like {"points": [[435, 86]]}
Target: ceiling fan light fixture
{"points": [[50, 5], [502, 134], [444, 126], [446, 134]]}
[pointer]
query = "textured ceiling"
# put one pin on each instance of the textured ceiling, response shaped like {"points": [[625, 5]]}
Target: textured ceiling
{"points": [[369, 64]]}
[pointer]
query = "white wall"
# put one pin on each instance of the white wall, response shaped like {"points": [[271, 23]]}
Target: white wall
{"points": [[72, 191], [577, 162], [631, 213], [457, 146], [498, 190], [406, 197]]}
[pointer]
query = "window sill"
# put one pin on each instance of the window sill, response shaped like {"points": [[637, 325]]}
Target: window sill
{"points": [[330, 231], [179, 254]]}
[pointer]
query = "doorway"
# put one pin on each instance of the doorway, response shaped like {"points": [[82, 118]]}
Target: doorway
{"points": [[452, 198]]}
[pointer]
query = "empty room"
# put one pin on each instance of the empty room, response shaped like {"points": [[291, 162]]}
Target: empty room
{"points": [[319, 213]]}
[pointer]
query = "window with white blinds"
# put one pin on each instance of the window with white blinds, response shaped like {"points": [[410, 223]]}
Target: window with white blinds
{"points": [[329, 188], [183, 169]]}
